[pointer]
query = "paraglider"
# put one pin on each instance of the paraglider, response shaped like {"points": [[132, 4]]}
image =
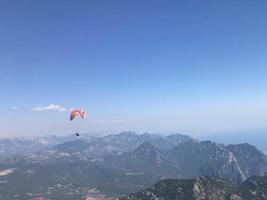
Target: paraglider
{"points": [[74, 114]]}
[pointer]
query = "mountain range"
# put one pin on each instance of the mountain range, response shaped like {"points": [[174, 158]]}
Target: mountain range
{"points": [[204, 188], [115, 165]]}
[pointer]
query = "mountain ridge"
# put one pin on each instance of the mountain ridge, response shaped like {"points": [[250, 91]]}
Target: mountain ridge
{"points": [[208, 188], [119, 164]]}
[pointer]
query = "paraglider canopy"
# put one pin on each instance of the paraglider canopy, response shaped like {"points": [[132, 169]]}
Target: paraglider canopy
{"points": [[74, 114], [77, 112]]}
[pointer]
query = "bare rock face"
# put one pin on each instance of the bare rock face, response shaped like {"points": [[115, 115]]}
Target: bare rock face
{"points": [[211, 189], [251, 161], [194, 159], [204, 188]]}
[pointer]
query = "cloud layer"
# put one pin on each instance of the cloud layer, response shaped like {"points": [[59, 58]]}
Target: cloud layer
{"points": [[51, 107]]}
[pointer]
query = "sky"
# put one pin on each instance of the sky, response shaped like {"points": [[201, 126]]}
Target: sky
{"points": [[195, 67]]}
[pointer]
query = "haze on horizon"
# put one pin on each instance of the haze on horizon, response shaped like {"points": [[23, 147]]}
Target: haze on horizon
{"points": [[196, 67]]}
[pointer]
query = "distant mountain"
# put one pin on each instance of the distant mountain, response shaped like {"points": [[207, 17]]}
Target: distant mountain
{"points": [[257, 138], [192, 159], [187, 160], [176, 156], [145, 159], [119, 164], [250, 159], [128, 141], [95, 149], [12, 149], [203, 188], [195, 159]]}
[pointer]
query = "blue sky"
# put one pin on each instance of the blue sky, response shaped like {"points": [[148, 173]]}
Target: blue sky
{"points": [[160, 66]]}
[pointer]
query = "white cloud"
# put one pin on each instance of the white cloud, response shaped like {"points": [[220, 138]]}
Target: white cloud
{"points": [[51, 107], [29, 118], [14, 108]]}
